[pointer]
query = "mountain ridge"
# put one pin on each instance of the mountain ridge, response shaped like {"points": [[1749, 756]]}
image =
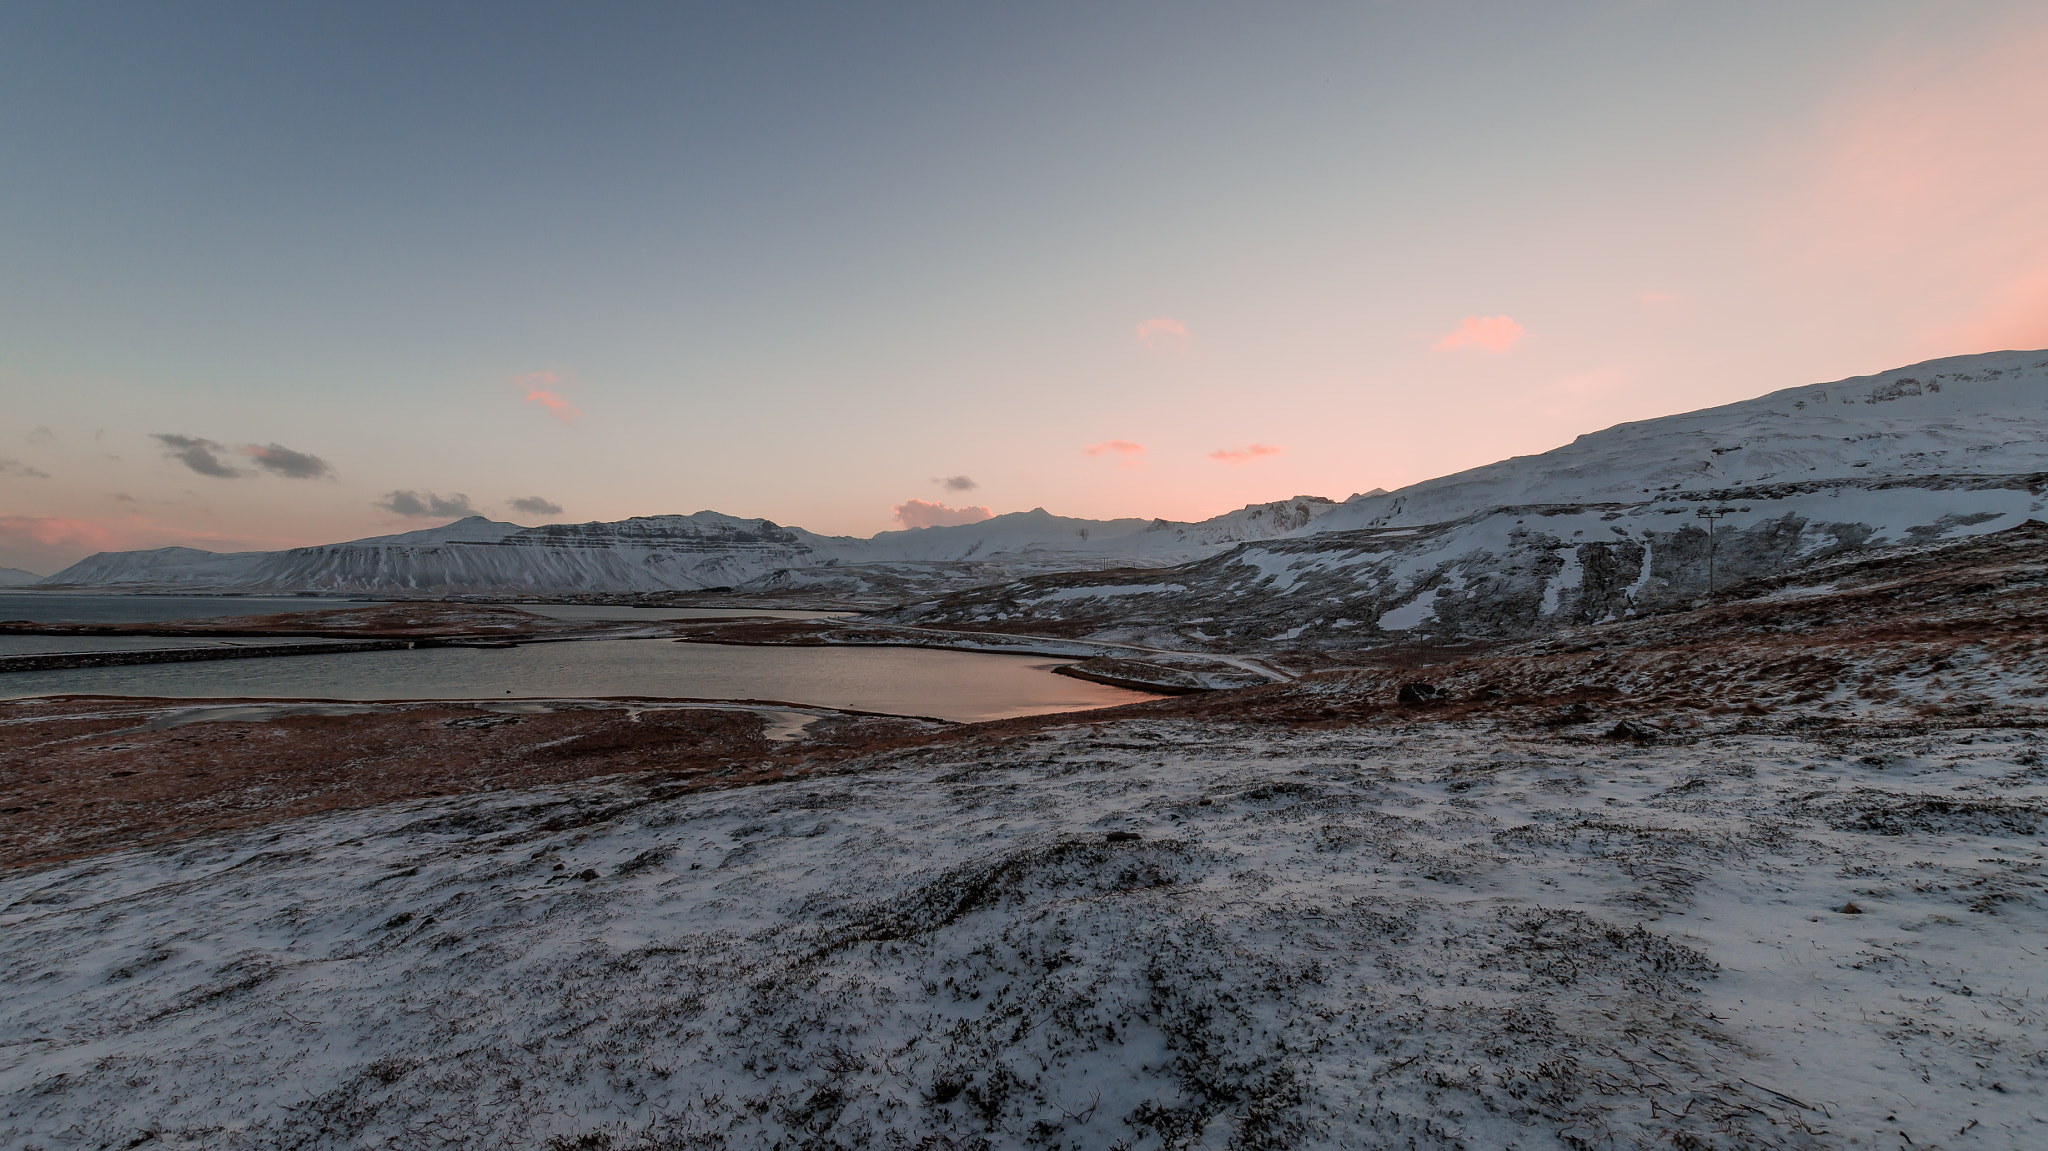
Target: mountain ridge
{"points": [[1946, 446], [644, 554]]}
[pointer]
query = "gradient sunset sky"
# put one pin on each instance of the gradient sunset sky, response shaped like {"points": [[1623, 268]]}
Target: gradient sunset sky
{"points": [[286, 274]]}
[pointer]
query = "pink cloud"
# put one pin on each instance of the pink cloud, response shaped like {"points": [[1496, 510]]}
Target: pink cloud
{"points": [[1244, 455], [1658, 298], [1114, 447], [1162, 333], [540, 389], [558, 407], [923, 514], [51, 531], [48, 543], [1494, 334]]}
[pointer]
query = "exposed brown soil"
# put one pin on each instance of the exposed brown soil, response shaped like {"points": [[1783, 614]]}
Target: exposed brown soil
{"points": [[1908, 642], [82, 776]]}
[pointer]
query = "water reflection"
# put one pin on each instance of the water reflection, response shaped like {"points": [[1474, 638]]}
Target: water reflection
{"points": [[904, 681]]}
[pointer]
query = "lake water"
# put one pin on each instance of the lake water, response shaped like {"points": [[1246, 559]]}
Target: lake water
{"points": [[73, 607], [66, 644], [906, 681]]}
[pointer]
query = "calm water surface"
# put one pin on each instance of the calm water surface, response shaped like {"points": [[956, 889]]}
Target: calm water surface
{"points": [[75, 607], [906, 681], [64, 644]]}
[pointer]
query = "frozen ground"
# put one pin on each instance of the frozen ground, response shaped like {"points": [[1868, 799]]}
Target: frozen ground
{"points": [[1155, 931], [1769, 873]]}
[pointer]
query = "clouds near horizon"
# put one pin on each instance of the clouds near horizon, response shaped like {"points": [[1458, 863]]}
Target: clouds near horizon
{"points": [[556, 405], [1494, 334], [1246, 454], [280, 460], [791, 315], [427, 505], [1162, 333], [197, 454], [56, 531], [1114, 447], [204, 457], [541, 389], [924, 514], [536, 506], [50, 543]]}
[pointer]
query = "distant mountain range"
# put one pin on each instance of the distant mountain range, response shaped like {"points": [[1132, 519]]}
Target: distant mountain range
{"points": [[686, 553], [1602, 527], [15, 577]]}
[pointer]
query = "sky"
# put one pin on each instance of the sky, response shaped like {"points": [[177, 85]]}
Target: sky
{"points": [[274, 275]]}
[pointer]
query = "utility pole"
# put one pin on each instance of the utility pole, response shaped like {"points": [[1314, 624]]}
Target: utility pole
{"points": [[1712, 516]]}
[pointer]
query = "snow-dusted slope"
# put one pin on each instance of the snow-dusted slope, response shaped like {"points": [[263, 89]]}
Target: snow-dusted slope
{"points": [[15, 577], [934, 562], [1976, 415], [650, 553], [1602, 528], [1017, 533], [160, 567]]}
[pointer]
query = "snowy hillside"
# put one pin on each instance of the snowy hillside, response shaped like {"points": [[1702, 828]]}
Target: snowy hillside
{"points": [[1761, 876], [1976, 415], [15, 577], [1603, 528], [934, 562], [651, 553], [1765, 875]]}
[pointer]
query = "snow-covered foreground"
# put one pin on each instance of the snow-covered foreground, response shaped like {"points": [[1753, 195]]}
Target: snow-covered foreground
{"points": [[1146, 932]]}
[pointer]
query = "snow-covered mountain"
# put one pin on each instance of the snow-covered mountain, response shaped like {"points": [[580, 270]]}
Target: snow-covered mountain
{"points": [[651, 553], [1965, 415], [932, 562], [664, 553], [15, 577], [1604, 527]]}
